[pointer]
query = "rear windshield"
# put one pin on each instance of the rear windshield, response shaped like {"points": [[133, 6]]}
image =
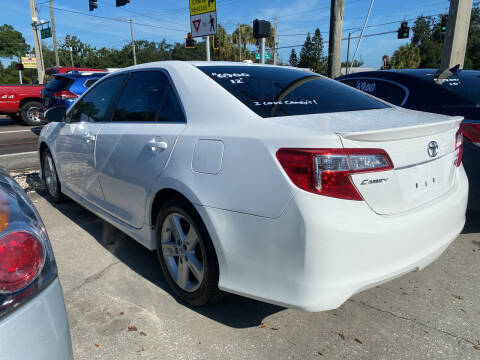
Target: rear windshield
{"points": [[58, 83], [276, 91]]}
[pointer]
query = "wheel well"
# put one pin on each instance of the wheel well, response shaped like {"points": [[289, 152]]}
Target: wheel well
{"points": [[25, 100], [160, 198], [43, 148]]}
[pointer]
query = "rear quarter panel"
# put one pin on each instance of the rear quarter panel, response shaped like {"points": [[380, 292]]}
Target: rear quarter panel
{"points": [[12, 95]]}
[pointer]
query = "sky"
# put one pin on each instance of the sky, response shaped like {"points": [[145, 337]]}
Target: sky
{"points": [[155, 20]]}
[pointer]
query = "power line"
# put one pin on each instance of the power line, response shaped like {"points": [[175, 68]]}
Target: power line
{"points": [[344, 39], [113, 19]]}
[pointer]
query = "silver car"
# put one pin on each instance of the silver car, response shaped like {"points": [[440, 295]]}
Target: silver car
{"points": [[33, 321]]}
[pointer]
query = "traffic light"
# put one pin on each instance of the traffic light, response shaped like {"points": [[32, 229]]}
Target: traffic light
{"points": [[443, 24], [122, 2], [261, 29], [404, 31], [215, 42], [92, 4], [189, 42], [19, 66]]}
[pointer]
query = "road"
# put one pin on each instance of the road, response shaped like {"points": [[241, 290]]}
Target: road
{"points": [[18, 144], [120, 306]]}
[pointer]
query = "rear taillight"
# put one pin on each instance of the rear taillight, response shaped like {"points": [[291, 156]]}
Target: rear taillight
{"points": [[471, 131], [459, 147], [64, 95], [327, 171], [21, 259]]}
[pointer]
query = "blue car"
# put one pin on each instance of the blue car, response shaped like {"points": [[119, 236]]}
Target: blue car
{"points": [[64, 89]]}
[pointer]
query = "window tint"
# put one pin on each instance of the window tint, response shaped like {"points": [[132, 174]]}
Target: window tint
{"points": [[58, 83], [384, 90], [142, 97], [89, 83], [171, 110], [276, 91], [94, 105]]}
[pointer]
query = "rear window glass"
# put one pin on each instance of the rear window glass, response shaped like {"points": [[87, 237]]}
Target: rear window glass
{"points": [[384, 90], [90, 82], [464, 85], [58, 83], [276, 91]]}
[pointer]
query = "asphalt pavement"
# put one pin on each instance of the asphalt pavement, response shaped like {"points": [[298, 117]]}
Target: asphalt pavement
{"points": [[18, 144], [120, 306]]}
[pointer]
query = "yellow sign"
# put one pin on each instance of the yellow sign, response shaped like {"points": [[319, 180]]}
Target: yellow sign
{"points": [[198, 7], [29, 62]]}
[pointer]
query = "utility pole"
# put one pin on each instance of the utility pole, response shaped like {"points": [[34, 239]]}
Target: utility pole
{"points": [[36, 41], [71, 56], [275, 42], [337, 10], [133, 43], [207, 45], [348, 52], [239, 43], [54, 34], [455, 44]]}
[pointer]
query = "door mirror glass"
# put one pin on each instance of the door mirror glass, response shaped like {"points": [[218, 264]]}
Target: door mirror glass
{"points": [[55, 114]]}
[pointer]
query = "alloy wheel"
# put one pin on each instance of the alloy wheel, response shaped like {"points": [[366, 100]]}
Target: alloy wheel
{"points": [[50, 175], [182, 251]]}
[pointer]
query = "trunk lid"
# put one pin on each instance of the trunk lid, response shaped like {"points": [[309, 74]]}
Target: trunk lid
{"points": [[420, 175]]}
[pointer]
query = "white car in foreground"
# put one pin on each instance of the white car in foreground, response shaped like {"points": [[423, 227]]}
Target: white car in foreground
{"points": [[270, 182]]}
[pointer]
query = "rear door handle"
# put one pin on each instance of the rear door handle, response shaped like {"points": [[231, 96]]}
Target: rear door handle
{"points": [[157, 145]]}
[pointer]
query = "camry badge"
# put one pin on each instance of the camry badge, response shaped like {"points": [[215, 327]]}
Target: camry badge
{"points": [[432, 149]]}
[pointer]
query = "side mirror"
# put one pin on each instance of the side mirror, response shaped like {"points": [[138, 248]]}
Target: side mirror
{"points": [[55, 114]]}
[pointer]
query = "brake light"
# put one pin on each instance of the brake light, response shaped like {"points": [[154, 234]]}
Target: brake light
{"points": [[328, 171], [64, 95], [21, 259], [471, 132], [459, 147]]}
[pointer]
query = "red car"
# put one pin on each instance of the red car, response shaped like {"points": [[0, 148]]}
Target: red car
{"points": [[23, 103]]}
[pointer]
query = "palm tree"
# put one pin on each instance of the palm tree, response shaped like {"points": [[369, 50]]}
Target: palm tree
{"points": [[406, 57], [246, 35]]}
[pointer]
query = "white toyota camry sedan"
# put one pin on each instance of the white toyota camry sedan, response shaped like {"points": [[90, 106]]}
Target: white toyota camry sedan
{"points": [[269, 182]]}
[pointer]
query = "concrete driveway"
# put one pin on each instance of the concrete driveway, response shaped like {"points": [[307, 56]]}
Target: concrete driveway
{"points": [[120, 306]]}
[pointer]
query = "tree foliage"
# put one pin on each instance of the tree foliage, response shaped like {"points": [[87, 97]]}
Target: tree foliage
{"points": [[12, 43], [311, 55], [428, 39], [293, 58]]}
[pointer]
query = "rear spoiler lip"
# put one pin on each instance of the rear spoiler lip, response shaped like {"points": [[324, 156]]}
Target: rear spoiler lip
{"points": [[403, 132]]}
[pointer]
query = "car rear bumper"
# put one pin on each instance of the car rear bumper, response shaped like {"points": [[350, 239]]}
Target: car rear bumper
{"points": [[321, 250], [38, 329]]}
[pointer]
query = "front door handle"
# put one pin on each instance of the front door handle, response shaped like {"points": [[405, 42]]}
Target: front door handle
{"points": [[90, 138], [157, 145]]}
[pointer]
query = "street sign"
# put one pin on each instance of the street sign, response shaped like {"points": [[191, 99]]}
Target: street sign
{"points": [[29, 62], [204, 24], [198, 7], [45, 33], [258, 56]]}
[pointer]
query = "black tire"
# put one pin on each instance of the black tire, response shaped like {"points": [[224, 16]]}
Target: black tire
{"points": [[30, 113], [54, 189], [207, 291]]}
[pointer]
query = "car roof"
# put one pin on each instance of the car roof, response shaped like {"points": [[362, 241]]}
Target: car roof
{"points": [[425, 74]]}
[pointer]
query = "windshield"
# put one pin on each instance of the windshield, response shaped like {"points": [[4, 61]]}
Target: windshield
{"points": [[276, 91]]}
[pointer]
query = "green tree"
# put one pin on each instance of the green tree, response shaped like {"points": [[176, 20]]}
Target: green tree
{"points": [[12, 43], [246, 35], [406, 57], [293, 58], [306, 60], [319, 62]]}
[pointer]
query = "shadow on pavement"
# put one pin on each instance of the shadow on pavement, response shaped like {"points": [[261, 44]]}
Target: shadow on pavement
{"points": [[472, 224], [234, 311]]}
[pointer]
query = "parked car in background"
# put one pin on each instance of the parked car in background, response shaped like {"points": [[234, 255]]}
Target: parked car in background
{"points": [[33, 321], [66, 69], [417, 89], [64, 89], [22, 103], [270, 182]]}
